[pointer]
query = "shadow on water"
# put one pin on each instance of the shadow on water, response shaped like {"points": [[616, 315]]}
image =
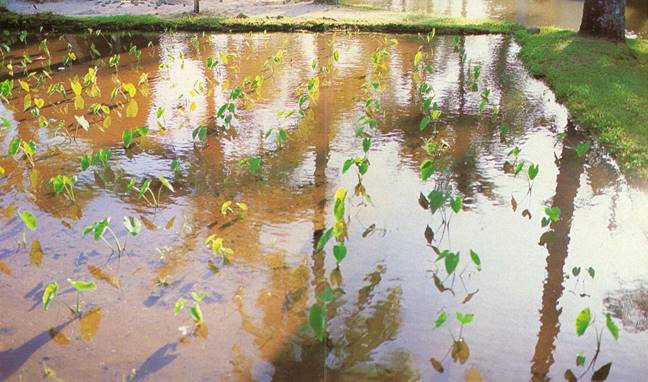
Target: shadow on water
{"points": [[12, 360], [156, 361], [570, 169]]}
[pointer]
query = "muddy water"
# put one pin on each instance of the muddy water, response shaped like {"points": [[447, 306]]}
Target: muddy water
{"points": [[388, 291], [560, 13]]}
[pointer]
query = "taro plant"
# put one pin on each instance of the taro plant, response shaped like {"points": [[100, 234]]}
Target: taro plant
{"points": [[552, 215], [317, 315], [583, 321], [63, 184], [215, 245], [29, 221], [80, 286], [200, 329], [129, 134], [99, 158], [459, 350], [229, 208], [17, 145], [339, 229], [145, 191], [132, 224]]}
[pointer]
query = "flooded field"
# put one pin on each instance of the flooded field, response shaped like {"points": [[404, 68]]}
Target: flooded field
{"points": [[479, 236], [559, 13]]}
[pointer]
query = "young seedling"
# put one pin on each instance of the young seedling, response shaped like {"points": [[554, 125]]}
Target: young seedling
{"points": [[80, 286], [29, 221], [98, 229], [63, 184], [27, 148], [145, 189], [317, 314], [227, 208], [195, 312], [215, 244]]}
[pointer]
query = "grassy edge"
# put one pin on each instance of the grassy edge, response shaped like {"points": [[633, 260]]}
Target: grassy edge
{"points": [[389, 22], [586, 75]]}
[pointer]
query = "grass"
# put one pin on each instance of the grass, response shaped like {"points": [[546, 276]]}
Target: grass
{"points": [[603, 84], [380, 21]]}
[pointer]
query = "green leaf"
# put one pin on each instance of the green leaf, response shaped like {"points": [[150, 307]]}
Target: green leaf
{"points": [[196, 313], [441, 319], [427, 169], [326, 296], [465, 319], [347, 164], [254, 164], [132, 225], [582, 321], [576, 271], [146, 184], [85, 162], [326, 236], [580, 359], [339, 252], [14, 146], [198, 297], [475, 258], [82, 286], [49, 294], [436, 199], [366, 144], [100, 227], [456, 204], [424, 123], [612, 327], [127, 138], [317, 321], [29, 220], [166, 184], [179, 305], [591, 272], [553, 213], [338, 210], [533, 171], [451, 261]]}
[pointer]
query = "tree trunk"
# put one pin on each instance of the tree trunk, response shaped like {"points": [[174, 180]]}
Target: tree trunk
{"points": [[604, 18], [196, 6]]}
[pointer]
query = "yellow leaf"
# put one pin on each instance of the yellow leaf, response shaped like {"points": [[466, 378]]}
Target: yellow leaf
{"points": [[132, 109], [340, 194], [130, 89], [2, 171], [76, 87], [106, 122], [39, 102], [27, 102], [78, 103], [24, 85], [193, 106], [36, 254]]}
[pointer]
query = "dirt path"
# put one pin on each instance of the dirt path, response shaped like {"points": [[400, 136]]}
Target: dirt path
{"points": [[270, 8]]}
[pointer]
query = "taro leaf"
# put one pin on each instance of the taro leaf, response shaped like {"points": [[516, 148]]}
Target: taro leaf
{"points": [[36, 253], [85, 162], [436, 199], [254, 164], [580, 359], [553, 213], [100, 227], [326, 236], [601, 374], [132, 225], [441, 319], [533, 171], [583, 321], [127, 138], [317, 321], [338, 209], [146, 184], [527, 214], [451, 262], [347, 164], [612, 327], [85, 125], [130, 89], [465, 319], [198, 297], [456, 204], [49, 294], [513, 203], [339, 252], [591, 272], [29, 219], [89, 324], [429, 235], [166, 184], [424, 123], [569, 376], [369, 231], [82, 286], [196, 313], [179, 305], [576, 271], [326, 296], [427, 169], [438, 366], [366, 144], [469, 296], [475, 258]]}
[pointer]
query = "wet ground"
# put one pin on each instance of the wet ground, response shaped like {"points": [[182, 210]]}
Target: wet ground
{"points": [[559, 13], [389, 290]]}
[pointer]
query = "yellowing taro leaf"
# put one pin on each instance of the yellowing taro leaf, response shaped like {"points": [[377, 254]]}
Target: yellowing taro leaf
{"points": [[89, 324], [27, 101], [36, 253], [24, 85], [2, 171], [78, 102], [59, 337], [130, 89], [39, 102], [132, 109], [76, 87]]}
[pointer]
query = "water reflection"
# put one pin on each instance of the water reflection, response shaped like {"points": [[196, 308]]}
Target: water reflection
{"points": [[560, 13], [381, 322]]}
